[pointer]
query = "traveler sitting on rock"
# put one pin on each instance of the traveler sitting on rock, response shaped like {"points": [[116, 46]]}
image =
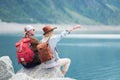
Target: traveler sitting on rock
{"points": [[53, 60], [27, 53]]}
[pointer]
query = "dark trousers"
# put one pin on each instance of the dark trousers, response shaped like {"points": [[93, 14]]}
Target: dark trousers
{"points": [[36, 61]]}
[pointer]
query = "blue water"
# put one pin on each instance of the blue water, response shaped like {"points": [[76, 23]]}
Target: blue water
{"points": [[92, 58]]}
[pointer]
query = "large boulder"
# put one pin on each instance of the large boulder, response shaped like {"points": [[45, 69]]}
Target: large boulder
{"points": [[23, 76], [36, 73], [6, 68]]}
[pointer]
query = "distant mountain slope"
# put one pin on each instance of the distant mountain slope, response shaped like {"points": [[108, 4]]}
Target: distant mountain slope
{"points": [[61, 11]]}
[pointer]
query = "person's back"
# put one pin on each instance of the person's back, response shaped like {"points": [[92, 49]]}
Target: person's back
{"points": [[53, 40], [28, 44]]}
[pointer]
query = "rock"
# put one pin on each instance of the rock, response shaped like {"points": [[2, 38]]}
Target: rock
{"points": [[6, 68], [38, 72], [23, 76]]}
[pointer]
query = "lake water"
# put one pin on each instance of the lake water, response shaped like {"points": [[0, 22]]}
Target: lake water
{"points": [[93, 58]]}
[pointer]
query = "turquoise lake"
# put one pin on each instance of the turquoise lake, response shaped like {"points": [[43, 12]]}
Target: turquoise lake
{"points": [[91, 58]]}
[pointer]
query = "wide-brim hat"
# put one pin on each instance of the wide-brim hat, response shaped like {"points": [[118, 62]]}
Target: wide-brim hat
{"points": [[47, 29]]}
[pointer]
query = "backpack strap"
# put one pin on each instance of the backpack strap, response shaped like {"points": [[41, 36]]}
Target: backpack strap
{"points": [[48, 39], [55, 47], [21, 43]]}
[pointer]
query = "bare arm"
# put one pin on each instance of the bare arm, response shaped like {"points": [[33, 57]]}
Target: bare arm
{"points": [[73, 28]]}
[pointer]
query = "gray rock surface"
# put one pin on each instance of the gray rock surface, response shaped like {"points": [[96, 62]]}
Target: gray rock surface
{"points": [[6, 68], [23, 76], [36, 73]]}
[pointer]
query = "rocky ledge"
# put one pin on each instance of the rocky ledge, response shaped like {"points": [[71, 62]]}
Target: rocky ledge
{"points": [[36, 73]]}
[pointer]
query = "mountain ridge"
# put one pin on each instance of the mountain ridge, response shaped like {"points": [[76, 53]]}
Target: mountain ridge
{"points": [[106, 12]]}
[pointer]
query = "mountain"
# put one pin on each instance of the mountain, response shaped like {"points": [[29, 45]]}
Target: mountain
{"points": [[105, 12]]}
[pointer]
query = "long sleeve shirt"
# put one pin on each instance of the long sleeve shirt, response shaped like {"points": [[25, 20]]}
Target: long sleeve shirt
{"points": [[53, 40]]}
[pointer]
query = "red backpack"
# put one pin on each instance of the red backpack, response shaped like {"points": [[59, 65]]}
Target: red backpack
{"points": [[24, 52]]}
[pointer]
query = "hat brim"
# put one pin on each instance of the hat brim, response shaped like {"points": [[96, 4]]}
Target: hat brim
{"points": [[50, 30]]}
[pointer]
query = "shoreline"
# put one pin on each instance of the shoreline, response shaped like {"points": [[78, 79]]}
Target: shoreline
{"points": [[16, 28]]}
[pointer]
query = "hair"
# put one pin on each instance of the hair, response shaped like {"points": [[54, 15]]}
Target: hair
{"points": [[49, 34], [25, 29], [26, 32]]}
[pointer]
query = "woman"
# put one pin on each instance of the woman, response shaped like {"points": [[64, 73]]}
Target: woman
{"points": [[52, 39], [29, 33]]}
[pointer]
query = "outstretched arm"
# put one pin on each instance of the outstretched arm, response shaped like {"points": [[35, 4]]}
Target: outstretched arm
{"points": [[73, 28], [57, 38]]}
